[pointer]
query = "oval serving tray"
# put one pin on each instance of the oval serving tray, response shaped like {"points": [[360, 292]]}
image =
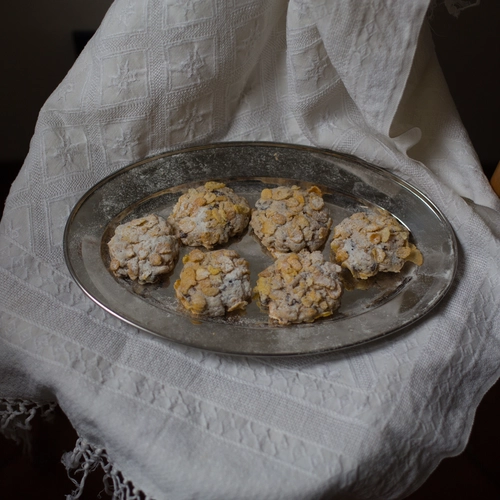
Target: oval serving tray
{"points": [[392, 301]]}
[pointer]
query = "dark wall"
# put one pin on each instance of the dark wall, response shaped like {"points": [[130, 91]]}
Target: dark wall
{"points": [[468, 49]]}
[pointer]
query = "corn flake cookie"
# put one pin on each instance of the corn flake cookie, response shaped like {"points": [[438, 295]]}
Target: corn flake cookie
{"points": [[300, 288], [289, 219], [209, 215], [372, 242], [143, 249], [213, 283]]}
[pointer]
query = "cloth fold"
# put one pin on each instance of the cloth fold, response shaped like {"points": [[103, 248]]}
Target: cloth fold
{"points": [[370, 422]]}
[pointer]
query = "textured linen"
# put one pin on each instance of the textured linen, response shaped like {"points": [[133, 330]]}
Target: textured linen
{"points": [[358, 77]]}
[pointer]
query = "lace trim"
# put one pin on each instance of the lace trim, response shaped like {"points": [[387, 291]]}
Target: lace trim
{"points": [[16, 416], [86, 458]]}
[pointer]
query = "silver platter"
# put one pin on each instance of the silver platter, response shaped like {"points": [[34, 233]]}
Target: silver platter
{"points": [[391, 302]]}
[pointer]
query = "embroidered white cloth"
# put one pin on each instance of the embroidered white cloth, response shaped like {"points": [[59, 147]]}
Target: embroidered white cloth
{"points": [[358, 77]]}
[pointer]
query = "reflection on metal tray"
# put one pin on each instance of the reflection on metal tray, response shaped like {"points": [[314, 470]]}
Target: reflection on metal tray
{"points": [[390, 302]]}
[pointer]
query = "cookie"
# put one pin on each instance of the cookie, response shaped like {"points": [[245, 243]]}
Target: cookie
{"points": [[143, 249], [300, 288], [209, 215], [290, 219], [367, 243], [213, 283]]}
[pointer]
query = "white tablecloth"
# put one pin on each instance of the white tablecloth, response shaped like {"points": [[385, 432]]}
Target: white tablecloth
{"points": [[371, 422]]}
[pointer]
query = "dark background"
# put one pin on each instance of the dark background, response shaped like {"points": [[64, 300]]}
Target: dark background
{"points": [[37, 56]]}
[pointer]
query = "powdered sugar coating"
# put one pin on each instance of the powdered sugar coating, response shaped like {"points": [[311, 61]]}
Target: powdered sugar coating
{"points": [[143, 249], [300, 288], [209, 215], [289, 219], [367, 243], [213, 283]]}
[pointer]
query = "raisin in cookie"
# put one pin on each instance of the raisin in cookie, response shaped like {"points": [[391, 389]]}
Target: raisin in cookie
{"points": [[213, 283], [209, 215], [289, 219], [372, 242], [300, 287], [143, 249]]}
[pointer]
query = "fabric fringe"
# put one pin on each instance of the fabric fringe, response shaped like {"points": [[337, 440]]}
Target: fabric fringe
{"points": [[86, 458], [16, 416]]}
